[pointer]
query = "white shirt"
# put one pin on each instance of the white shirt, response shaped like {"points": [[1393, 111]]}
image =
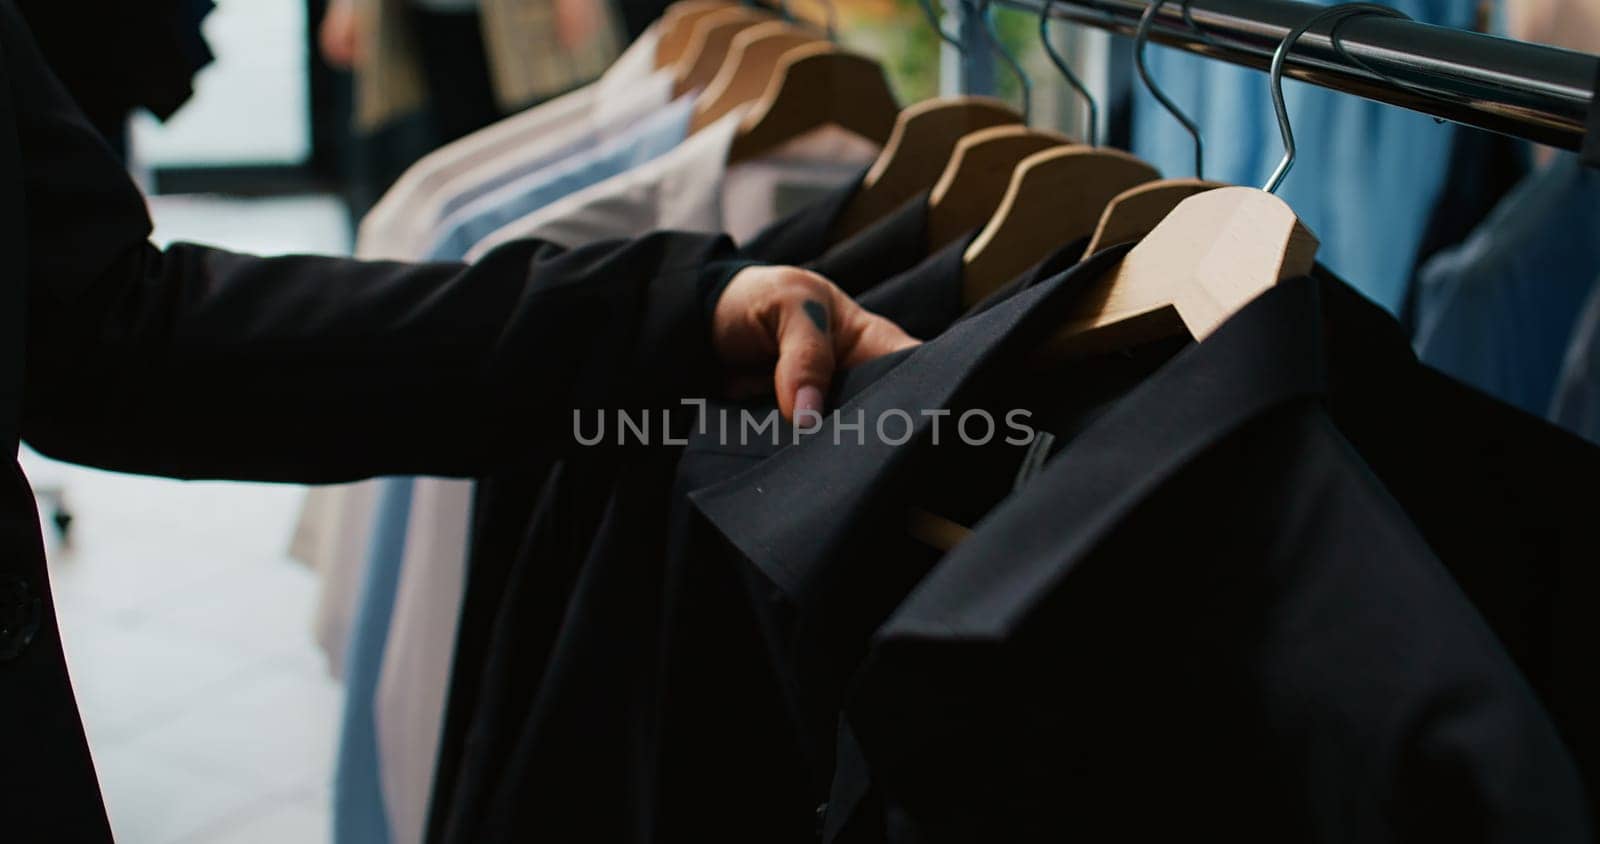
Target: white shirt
{"points": [[692, 188]]}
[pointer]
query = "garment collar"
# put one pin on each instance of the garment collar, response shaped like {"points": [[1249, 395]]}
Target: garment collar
{"points": [[794, 513]]}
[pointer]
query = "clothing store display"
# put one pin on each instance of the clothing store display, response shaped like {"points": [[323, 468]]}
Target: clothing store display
{"points": [[797, 238], [403, 762], [1498, 310], [1188, 536], [408, 742], [362, 807], [597, 529], [953, 650], [392, 231]]}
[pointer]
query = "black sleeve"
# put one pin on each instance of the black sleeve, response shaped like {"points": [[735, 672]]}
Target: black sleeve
{"points": [[194, 362]]}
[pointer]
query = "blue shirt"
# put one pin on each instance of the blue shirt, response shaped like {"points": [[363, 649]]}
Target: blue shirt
{"points": [[1498, 310], [359, 816], [644, 141]]}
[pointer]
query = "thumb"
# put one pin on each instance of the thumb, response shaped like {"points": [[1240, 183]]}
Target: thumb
{"points": [[805, 360]]}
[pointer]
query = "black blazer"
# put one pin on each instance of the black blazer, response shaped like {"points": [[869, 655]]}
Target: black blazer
{"points": [[192, 362]]}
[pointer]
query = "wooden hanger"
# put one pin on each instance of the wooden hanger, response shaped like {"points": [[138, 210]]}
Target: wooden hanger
{"points": [[818, 85], [1054, 197], [975, 178], [752, 62], [1214, 254], [1217, 251], [708, 49], [1138, 210], [924, 139], [677, 28]]}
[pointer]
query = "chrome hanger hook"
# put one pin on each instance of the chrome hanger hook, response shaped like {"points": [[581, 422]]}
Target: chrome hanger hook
{"points": [[1141, 38], [981, 8], [933, 20], [1072, 78], [1275, 76]]}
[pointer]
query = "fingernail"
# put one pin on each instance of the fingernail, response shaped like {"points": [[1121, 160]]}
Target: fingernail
{"points": [[807, 400]]}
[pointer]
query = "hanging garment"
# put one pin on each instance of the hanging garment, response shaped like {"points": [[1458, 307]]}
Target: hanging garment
{"points": [[396, 229], [1498, 311], [1484, 168], [373, 784], [359, 812], [692, 188], [332, 530], [1577, 401], [568, 707], [1355, 156], [397, 709], [699, 192], [647, 140], [1018, 688], [503, 507]]}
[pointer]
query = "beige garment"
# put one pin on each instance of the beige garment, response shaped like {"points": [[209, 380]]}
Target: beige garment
{"points": [[691, 192], [331, 536], [409, 707], [526, 58], [389, 230], [691, 188]]}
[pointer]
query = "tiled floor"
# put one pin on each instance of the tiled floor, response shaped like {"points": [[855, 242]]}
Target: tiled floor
{"points": [[209, 710]]}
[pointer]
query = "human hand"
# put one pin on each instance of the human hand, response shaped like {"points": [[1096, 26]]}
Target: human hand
{"points": [[799, 327], [340, 35]]}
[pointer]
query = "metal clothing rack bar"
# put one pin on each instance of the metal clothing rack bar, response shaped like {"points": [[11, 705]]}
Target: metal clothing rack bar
{"points": [[1530, 91]]}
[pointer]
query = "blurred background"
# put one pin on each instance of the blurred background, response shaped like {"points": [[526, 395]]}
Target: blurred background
{"points": [[211, 711]]}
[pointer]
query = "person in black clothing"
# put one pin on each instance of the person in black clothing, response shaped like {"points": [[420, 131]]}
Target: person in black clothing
{"points": [[193, 362], [116, 56]]}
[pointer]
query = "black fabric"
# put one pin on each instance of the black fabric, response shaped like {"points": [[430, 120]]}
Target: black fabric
{"points": [[116, 56], [883, 250], [507, 508], [596, 716], [802, 236], [1040, 662], [455, 66], [633, 704], [192, 362]]}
